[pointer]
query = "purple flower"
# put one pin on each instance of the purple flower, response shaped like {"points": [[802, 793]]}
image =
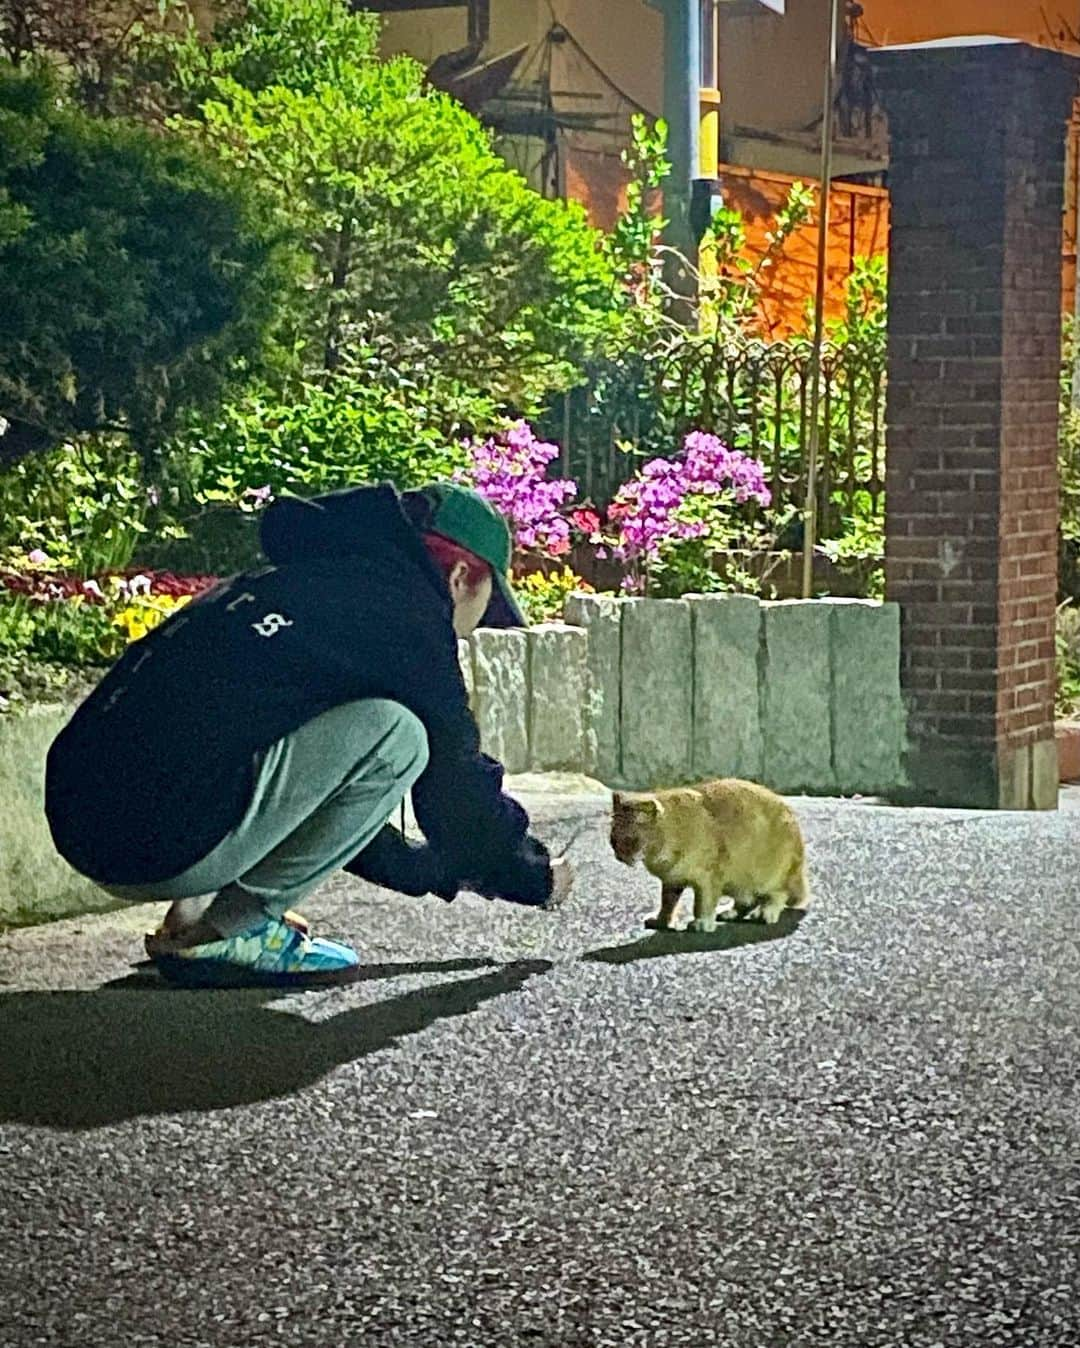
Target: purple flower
{"points": [[670, 500], [37, 557], [510, 470]]}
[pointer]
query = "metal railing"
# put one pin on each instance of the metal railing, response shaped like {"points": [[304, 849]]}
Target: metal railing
{"points": [[755, 396]]}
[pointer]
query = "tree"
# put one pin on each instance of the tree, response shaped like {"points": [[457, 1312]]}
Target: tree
{"points": [[416, 229], [136, 274], [419, 243], [98, 42]]}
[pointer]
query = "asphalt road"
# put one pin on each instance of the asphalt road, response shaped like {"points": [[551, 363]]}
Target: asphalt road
{"points": [[561, 1130]]}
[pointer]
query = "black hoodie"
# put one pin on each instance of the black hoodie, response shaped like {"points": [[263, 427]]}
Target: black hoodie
{"points": [[157, 765]]}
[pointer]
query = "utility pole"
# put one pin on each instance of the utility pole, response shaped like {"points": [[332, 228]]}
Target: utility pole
{"points": [[810, 513], [682, 63]]}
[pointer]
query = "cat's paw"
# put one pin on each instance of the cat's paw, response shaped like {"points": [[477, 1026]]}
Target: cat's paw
{"points": [[659, 924], [731, 914], [702, 924]]}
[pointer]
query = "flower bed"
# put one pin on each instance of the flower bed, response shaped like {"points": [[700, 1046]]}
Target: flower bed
{"points": [[680, 525], [58, 630], [698, 521], [42, 585]]}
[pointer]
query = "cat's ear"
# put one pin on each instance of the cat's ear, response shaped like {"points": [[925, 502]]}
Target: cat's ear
{"points": [[647, 807]]}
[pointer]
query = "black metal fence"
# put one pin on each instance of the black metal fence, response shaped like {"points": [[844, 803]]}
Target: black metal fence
{"points": [[756, 397]]}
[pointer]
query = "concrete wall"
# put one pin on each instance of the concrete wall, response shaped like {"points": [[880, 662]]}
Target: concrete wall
{"points": [[803, 696], [35, 883]]}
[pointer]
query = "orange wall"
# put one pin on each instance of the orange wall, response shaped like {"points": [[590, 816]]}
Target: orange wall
{"points": [[1046, 23], [858, 227]]}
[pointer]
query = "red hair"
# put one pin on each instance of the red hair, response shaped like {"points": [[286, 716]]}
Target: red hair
{"points": [[446, 554]]}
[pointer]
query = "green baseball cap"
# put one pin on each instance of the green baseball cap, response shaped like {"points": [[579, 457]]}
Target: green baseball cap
{"points": [[466, 518]]}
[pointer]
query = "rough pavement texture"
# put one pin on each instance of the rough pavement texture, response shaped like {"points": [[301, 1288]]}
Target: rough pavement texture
{"points": [[559, 1130]]}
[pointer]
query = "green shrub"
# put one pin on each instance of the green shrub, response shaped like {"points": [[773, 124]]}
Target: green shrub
{"points": [[82, 504], [62, 633], [43, 649], [349, 431], [1067, 644], [374, 420], [414, 227], [134, 272]]}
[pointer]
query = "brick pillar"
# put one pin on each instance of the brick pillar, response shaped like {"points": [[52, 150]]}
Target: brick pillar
{"points": [[976, 180]]}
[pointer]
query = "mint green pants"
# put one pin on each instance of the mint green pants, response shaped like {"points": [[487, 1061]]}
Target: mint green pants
{"points": [[321, 794]]}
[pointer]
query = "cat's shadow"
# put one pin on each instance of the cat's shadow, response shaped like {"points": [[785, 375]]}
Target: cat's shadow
{"points": [[727, 936]]}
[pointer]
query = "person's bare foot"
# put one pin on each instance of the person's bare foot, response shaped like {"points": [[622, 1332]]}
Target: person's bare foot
{"points": [[166, 942], [185, 913]]}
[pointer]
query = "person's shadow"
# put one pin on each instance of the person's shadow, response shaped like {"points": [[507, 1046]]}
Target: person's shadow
{"points": [[727, 936], [135, 1047]]}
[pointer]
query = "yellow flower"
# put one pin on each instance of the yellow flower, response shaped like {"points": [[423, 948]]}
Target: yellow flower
{"points": [[131, 621], [146, 612], [545, 595]]}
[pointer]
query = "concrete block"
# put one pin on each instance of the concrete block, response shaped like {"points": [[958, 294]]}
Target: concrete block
{"points": [[796, 696], [601, 618], [657, 692], [500, 661], [36, 884], [558, 697], [1045, 778], [1014, 778], [727, 723], [868, 720], [465, 661]]}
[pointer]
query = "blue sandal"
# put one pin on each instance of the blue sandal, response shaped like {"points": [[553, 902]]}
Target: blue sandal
{"points": [[277, 954]]}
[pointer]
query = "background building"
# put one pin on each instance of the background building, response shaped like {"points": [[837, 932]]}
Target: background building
{"points": [[559, 79]]}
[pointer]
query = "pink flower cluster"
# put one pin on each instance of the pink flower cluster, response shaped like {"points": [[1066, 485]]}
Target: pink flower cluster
{"points": [[510, 470], [649, 511]]}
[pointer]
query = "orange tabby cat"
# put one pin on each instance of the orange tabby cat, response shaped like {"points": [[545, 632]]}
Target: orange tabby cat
{"points": [[720, 838]]}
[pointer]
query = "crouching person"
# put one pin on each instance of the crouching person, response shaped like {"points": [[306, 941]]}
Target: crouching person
{"points": [[263, 736]]}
